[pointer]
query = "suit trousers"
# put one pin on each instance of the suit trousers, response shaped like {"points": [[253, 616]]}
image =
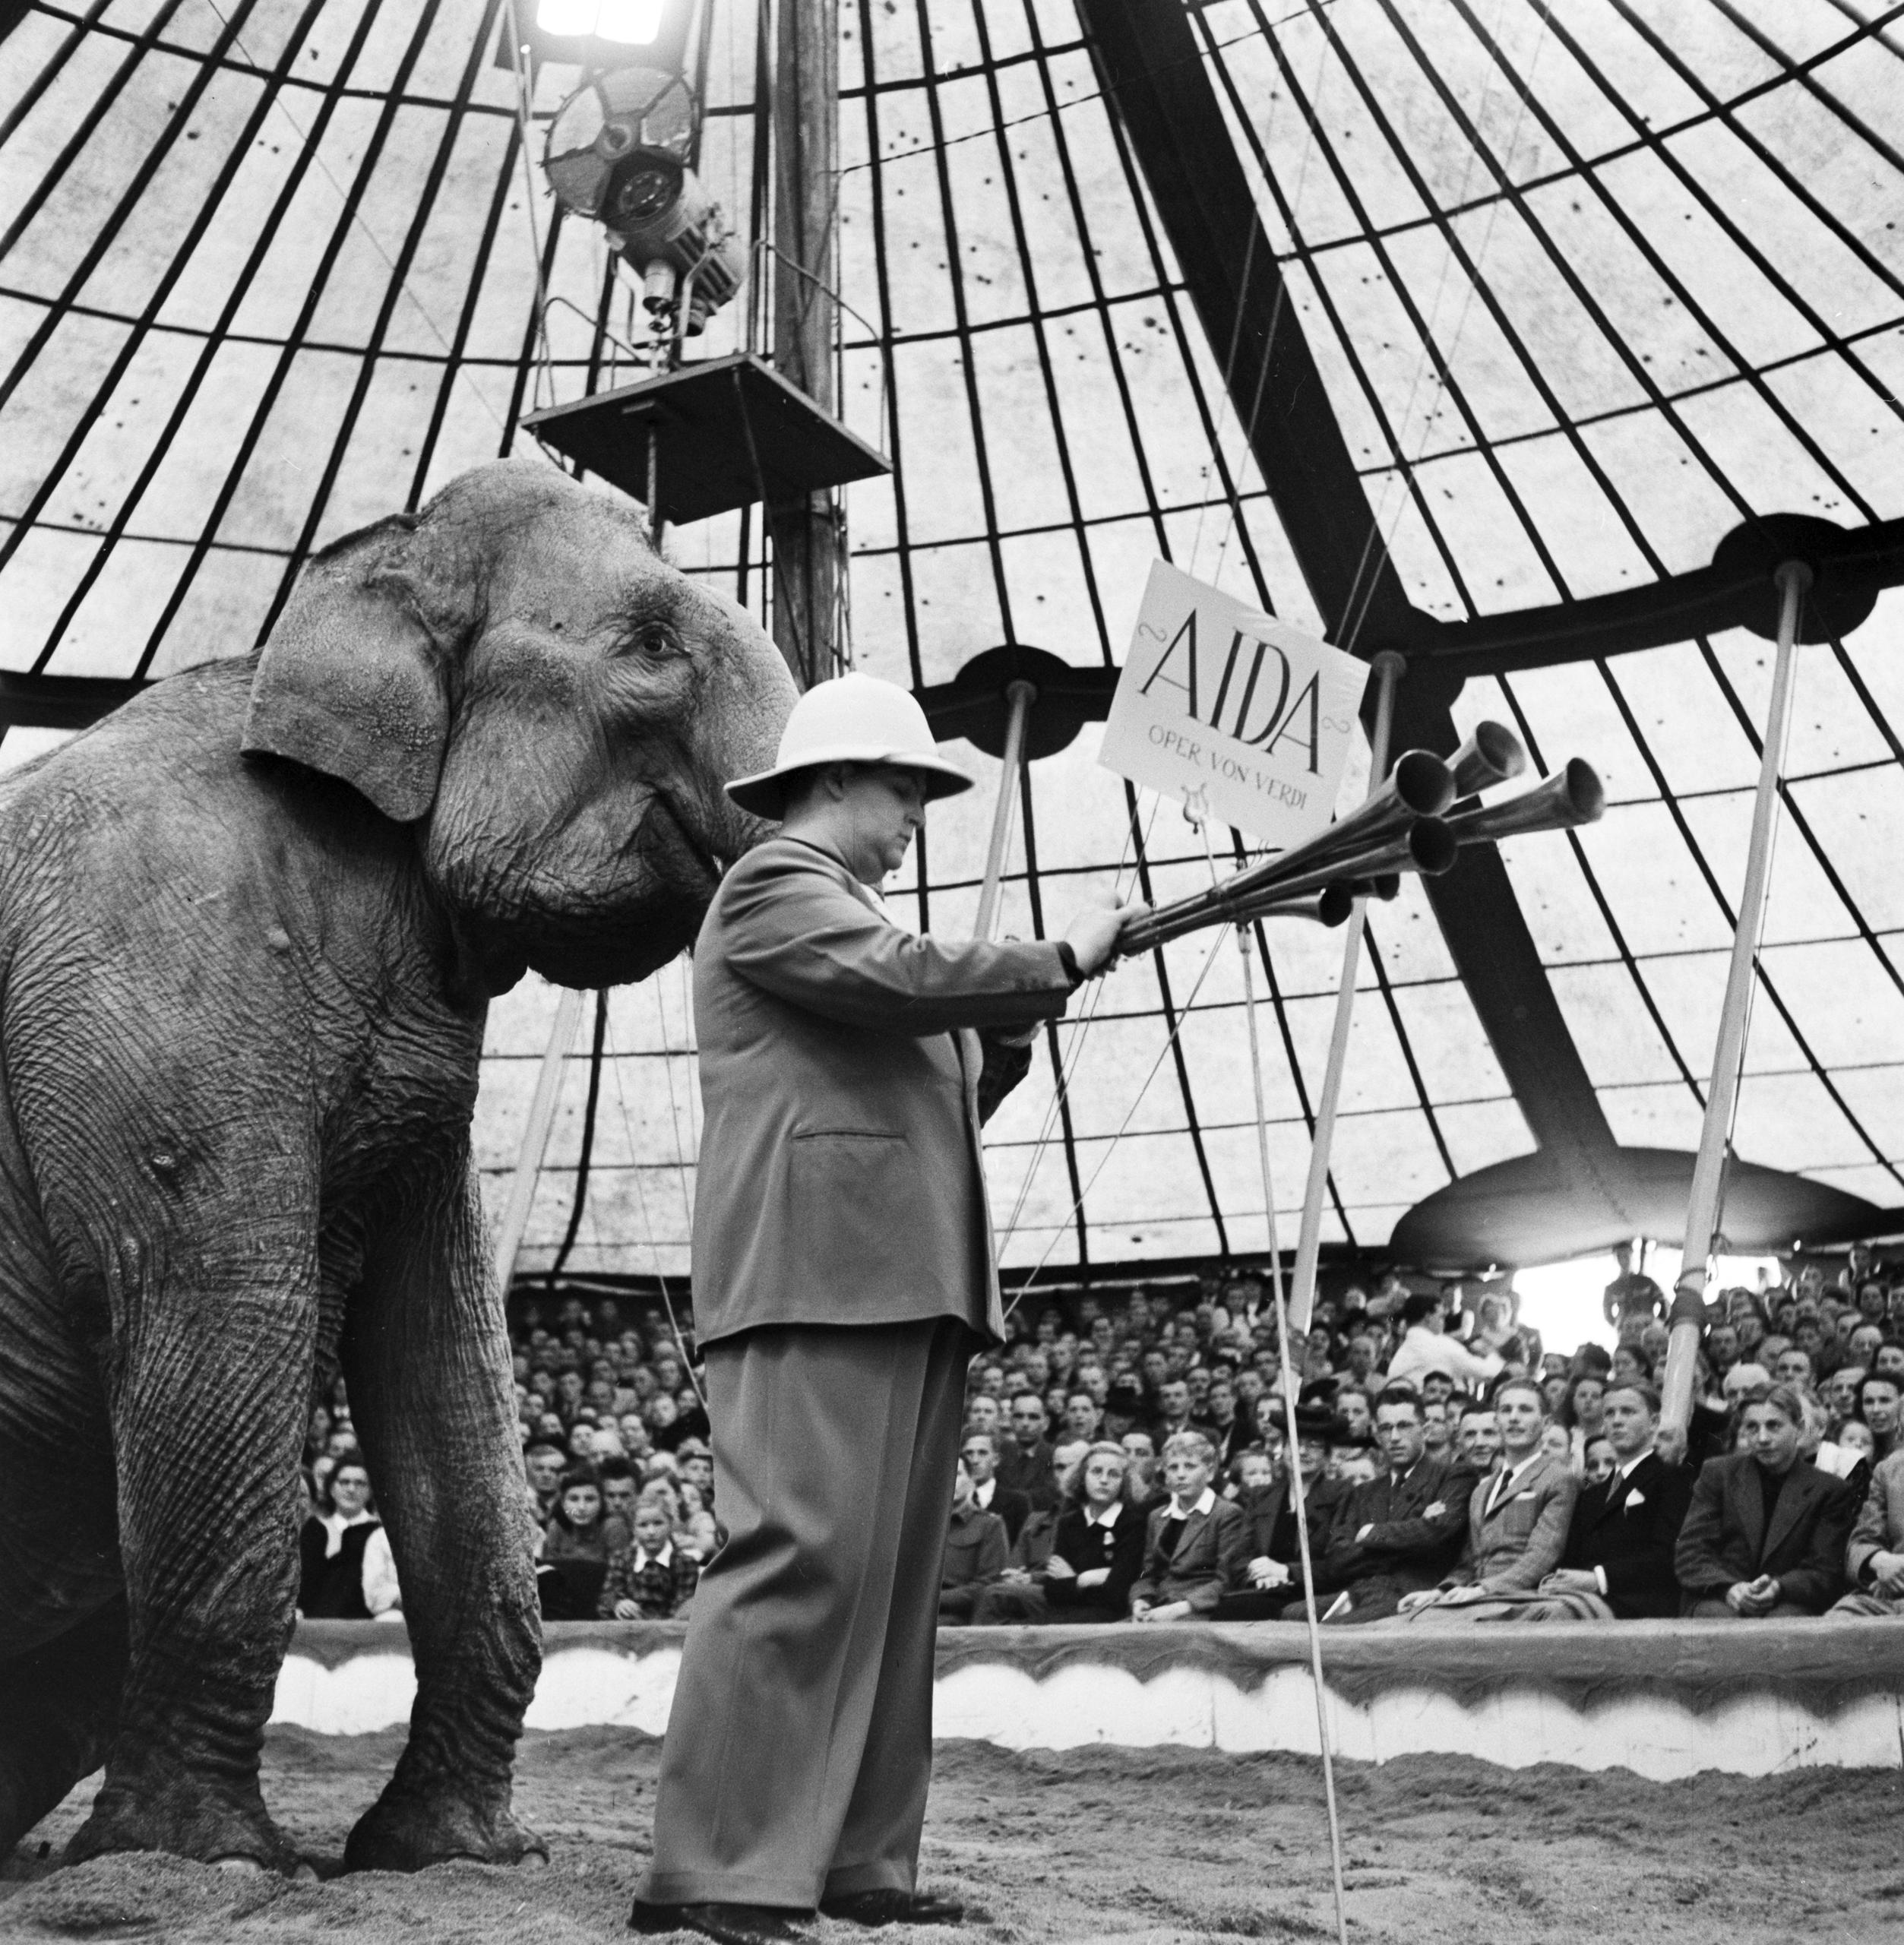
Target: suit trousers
{"points": [[799, 1748]]}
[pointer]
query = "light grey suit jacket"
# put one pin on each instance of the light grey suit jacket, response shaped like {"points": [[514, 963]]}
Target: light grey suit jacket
{"points": [[840, 1180], [1517, 1535]]}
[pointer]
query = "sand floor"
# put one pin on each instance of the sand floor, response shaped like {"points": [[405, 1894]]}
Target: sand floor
{"points": [[1140, 1846]]}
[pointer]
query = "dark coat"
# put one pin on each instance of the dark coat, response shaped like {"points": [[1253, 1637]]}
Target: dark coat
{"points": [[1208, 1562], [840, 1180], [1264, 1509], [1628, 1527], [976, 1550], [1014, 1508], [1725, 1540], [1082, 1548], [1027, 1468], [1417, 1527]]}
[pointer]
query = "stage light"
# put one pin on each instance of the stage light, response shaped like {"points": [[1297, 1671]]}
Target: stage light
{"points": [[618, 152], [628, 23]]}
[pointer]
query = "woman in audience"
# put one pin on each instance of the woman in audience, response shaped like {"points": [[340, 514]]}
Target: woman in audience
{"points": [[575, 1532], [1099, 1549]]}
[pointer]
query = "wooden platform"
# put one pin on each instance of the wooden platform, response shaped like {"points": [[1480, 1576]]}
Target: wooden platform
{"points": [[1665, 1699]]}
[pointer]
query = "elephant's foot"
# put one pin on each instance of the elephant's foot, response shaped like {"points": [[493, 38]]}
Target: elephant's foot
{"points": [[215, 1823], [406, 1830]]}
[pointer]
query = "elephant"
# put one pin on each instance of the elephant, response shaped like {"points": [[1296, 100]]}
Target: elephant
{"points": [[250, 924]]}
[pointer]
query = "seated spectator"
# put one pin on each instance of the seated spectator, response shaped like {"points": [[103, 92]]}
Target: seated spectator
{"points": [[1402, 1531], [1438, 1421], [345, 1571], [1517, 1520], [1766, 1531], [1097, 1550], [619, 1489], [977, 1551], [1018, 1594], [1600, 1461], [980, 1453], [1194, 1546], [1619, 1564], [1026, 1467], [651, 1579], [1252, 1471], [1875, 1558], [575, 1530], [1478, 1440], [1878, 1399], [1272, 1562]]}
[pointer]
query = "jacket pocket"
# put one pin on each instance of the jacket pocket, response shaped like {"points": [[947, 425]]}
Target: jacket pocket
{"points": [[852, 1192]]}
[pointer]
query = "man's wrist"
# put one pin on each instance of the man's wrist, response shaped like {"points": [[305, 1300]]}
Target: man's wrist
{"points": [[1068, 959]]}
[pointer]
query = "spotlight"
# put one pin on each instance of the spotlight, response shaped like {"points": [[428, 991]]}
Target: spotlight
{"points": [[618, 152]]}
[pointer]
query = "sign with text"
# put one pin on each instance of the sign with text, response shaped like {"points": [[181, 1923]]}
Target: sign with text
{"points": [[1220, 697]]}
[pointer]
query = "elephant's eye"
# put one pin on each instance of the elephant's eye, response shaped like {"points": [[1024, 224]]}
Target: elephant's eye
{"points": [[656, 641]]}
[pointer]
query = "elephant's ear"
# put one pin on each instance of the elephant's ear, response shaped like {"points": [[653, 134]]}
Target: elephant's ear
{"points": [[352, 681]]}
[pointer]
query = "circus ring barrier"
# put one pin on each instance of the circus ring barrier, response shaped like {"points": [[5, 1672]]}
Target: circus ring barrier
{"points": [[1664, 1699]]}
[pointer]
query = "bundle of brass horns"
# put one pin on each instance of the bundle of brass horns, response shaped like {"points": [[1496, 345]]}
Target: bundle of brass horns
{"points": [[1405, 826]]}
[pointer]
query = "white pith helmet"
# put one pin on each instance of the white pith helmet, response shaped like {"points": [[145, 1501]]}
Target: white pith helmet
{"points": [[852, 718]]}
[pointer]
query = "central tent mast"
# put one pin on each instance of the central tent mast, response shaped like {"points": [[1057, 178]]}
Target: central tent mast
{"points": [[805, 528]]}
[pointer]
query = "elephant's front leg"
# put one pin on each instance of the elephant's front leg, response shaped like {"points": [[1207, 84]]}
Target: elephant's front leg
{"points": [[426, 1356], [208, 1377]]}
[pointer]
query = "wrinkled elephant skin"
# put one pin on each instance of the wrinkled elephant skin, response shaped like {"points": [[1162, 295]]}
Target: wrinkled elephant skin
{"points": [[249, 927]]}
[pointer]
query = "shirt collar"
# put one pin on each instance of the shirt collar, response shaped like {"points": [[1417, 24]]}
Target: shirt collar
{"points": [[1630, 1467], [664, 1558], [1108, 1517], [1204, 1501], [982, 1495]]}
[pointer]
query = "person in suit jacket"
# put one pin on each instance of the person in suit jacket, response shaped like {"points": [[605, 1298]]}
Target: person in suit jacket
{"points": [[1766, 1531], [844, 1277], [1194, 1548], [1517, 1520], [1874, 1559], [1027, 1467], [1401, 1531], [989, 1494], [1273, 1567], [1618, 1564], [976, 1552]]}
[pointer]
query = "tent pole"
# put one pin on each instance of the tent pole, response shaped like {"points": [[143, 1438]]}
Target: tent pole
{"points": [[1021, 695], [1688, 1318], [1388, 667], [535, 1134]]}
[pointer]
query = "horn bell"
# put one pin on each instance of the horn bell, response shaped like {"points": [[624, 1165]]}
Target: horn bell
{"points": [[1493, 754], [1569, 797]]}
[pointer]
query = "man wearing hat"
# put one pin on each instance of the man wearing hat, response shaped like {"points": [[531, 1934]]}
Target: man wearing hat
{"points": [[844, 1277], [1272, 1574]]}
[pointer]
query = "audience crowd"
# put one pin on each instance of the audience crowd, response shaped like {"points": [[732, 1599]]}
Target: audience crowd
{"points": [[1129, 1458]]}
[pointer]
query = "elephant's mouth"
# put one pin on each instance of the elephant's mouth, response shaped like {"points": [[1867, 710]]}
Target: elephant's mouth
{"points": [[676, 852]]}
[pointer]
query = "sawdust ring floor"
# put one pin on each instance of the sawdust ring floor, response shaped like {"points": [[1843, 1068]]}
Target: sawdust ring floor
{"points": [[1140, 1846]]}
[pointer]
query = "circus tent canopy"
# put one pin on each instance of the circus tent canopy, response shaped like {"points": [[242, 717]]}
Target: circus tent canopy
{"points": [[1584, 290]]}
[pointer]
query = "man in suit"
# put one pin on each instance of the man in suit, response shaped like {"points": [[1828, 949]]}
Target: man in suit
{"points": [[1874, 1560], [843, 1278], [1402, 1531], [1273, 1563], [1027, 1468], [1618, 1564], [980, 1453], [1766, 1531], [1194, 1546], [977, 1552], [1517, 1520]]}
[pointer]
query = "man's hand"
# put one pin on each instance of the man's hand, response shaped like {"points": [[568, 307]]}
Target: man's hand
{"points": [[1059, 1568], [1092, 934], [1413, 1603], [1170, 1611], [1753, 1599], [1887, 1570], [1264, 1572], [1569, 1580], [1015, 1576], [626, 1610]]}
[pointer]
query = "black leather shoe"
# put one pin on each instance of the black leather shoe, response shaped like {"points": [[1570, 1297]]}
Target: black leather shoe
{"points": [[726, 1924], [892, 1907]]}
